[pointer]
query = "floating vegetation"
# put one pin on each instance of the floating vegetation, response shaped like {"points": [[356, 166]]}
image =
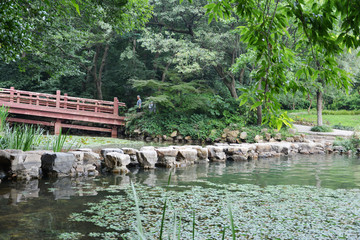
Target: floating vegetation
{"points": [[227, 212]]}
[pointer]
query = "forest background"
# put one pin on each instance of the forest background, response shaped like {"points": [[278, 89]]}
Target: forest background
{"points": [[202, 75]]}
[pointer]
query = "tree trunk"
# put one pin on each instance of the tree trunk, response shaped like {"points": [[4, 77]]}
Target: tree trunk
{"points": [[163, 76], [319, 105], [231, 86], [241, 77], [259, 109], [94, 72], [98, 75]]}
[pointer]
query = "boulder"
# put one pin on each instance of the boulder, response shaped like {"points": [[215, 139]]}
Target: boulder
{"points": [[216, 153], [188, 138], [92, 158], [202, 154], [117, 162], [278, 137], [147, 148], [79, 157], [5, 164], [174, 134], [263, 147], [58, 164], [187, 156], [26, 165], [132, 153], [243, 135], [105, 151], [233, 134], [147, 158], [167, 156], [258, 138], [267, 136]]}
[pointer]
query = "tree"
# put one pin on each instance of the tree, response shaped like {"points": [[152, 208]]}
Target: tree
{"points": [[316, 21]]}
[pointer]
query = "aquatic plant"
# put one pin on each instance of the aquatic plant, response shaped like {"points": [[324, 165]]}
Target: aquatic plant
{"points": [[3, 115], [281, 212], [21, 137]]}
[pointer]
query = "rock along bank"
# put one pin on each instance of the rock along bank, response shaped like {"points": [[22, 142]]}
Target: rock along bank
{"points": [[19, 165]]}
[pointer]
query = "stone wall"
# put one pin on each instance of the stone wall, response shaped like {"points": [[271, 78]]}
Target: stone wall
{"points": [[16, 164]]}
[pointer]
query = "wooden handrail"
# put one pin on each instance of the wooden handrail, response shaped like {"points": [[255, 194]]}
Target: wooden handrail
{"points": [[60, 101]]}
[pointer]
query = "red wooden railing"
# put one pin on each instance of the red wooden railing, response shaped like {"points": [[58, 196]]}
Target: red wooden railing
{"points": [[62, 107]]}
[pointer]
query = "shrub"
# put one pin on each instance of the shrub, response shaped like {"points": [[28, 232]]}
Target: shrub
{"points": [[341, 127], [323, 128], [349, 144]]}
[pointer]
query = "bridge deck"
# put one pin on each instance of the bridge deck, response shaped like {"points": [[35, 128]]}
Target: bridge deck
{"points": [[62, 107]]}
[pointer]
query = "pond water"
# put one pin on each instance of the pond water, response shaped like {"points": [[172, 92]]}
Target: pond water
{"points": [[42, 209]]}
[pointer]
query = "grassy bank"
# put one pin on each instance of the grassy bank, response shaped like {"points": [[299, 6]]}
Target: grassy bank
{"points": [[331, 118]]}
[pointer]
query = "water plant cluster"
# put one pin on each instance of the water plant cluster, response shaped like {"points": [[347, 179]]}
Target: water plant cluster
{"points": [[30, 137], [211, 211]]}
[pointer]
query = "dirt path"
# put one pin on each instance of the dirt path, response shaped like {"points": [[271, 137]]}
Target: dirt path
{"points": [[335, 133]]}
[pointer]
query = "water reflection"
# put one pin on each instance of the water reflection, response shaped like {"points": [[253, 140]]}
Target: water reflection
{"points": [[20, 191], [318, 170]]}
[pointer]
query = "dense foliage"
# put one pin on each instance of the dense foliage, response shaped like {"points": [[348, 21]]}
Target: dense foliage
{"points": [[293, 54]]}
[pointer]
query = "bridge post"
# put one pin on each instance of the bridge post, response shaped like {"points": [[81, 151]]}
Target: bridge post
{"points": [[65, 100], [58, 92], [12, 90], [57, 126], [114, 132], [116, 106]]}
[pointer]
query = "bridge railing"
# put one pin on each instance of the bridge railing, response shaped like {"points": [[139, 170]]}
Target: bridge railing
{"points": [[60, 101]]}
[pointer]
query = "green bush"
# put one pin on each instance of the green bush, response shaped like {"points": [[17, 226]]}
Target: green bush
{"points": [[323, 128], [341, 127], [349, 144], [347, 102]]}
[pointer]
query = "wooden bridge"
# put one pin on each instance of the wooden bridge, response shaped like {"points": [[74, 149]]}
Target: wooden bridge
{"points": [[53, 110]]}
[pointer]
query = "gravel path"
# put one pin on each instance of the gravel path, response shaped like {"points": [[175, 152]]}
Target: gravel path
{"points": [[335, 133]]}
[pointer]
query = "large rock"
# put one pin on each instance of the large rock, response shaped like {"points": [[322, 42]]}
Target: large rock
{"points": [[92, 158], [117, 162], [238, 152], [202, 154], [132, 153], [258, 138], [26, 165], [105, 151], [5, 164], [58, 164], [216, 153], [79, 157], [243, 135], [147, 158], [167, 156], [233, 134], [263, 147], [147, 148], [174, 134], [187, 156]]}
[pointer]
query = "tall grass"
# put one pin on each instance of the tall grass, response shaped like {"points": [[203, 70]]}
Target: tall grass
{"points": [[21, 137], [58, 143], [3, 115]]}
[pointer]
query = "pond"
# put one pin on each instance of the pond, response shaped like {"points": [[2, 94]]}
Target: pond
{"points": [[303, 197]]}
